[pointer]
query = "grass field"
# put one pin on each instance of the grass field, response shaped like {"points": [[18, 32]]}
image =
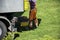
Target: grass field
{"points": [[49, 28]]}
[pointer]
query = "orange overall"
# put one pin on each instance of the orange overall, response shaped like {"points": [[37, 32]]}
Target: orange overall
{"points": [[33, 11], [32, 14]]}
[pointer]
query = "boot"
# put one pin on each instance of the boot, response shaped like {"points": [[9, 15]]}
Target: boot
{"points": [[36, 23], [30, 24]]}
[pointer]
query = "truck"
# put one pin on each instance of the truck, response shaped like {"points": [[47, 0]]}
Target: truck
{"points": [[7, 9]]}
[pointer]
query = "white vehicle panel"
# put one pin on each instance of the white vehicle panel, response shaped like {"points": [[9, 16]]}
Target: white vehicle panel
{"points": [[11, 6]]}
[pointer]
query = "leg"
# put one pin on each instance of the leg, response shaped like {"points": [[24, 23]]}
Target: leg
{"points": [[32, 14], [32, 17]]}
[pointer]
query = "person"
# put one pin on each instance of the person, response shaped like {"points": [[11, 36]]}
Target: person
{"points": [[32, 13]]}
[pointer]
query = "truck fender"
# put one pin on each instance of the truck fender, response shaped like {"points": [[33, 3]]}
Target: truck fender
{"points": [[4, 18]]}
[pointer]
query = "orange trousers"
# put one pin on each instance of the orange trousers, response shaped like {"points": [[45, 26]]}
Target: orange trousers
{"points": [[32, 14]]}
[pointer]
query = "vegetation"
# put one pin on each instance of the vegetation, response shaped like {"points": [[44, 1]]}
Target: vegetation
{"points": [[49, 28]]}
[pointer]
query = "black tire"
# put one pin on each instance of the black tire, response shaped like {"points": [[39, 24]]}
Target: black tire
{"points": [[3, 30]]}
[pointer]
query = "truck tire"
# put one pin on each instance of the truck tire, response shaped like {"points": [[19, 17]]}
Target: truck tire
{"points": [[3, 30]]}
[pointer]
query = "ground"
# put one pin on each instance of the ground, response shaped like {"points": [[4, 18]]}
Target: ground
{"points": [[49, 28]]}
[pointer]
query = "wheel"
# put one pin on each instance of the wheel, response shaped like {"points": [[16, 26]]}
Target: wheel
{"points": [[3, 30]]}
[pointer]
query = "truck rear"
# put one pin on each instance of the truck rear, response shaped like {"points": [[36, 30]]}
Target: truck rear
{"points": [[7, 9]]}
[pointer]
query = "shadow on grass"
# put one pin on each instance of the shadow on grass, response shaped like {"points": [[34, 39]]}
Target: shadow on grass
{"points": [[26, 28], [15, 36], [39, 21]]}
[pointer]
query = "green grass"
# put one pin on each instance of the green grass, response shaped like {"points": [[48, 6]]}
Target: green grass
{"points": [[49, 28]]}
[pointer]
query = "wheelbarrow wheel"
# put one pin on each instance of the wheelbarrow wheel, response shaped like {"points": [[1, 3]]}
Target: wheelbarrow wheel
{"points": [[3, 30]]}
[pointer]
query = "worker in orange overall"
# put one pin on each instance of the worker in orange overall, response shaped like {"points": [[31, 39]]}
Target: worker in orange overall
{"points": [[32, 13]]}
